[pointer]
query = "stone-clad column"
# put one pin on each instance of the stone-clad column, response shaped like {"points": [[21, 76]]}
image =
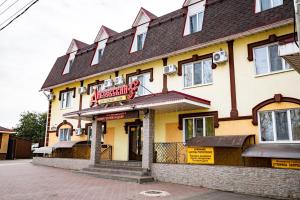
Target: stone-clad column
{"points": [[96, 142], [148, 132]]}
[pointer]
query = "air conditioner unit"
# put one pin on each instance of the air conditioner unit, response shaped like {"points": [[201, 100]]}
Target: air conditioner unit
{"points": [[78, 131], [119, 80], [50, 97], [108, 83], [82, 90], [170, 69], [219, 57]]}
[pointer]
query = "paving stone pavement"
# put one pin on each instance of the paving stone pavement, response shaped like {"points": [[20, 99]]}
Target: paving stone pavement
{"points": [[20, 180]]}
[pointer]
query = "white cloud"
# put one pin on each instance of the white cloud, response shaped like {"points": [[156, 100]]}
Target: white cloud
{"points": [[31, 44]]}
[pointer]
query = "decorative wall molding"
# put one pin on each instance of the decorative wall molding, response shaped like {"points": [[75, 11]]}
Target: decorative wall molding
{"points": [[272, 38], [199, 114], [165, 77], [194, 59], [139, 72], [278, 98]]}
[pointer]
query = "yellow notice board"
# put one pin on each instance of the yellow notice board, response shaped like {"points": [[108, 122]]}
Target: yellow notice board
{"points": [[286, 164], [200, 155]]}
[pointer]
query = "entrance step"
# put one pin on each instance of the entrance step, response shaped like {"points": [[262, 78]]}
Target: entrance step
{"points": [[119, 170], [119, 177]]}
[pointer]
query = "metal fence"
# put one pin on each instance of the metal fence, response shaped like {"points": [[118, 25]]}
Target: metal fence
{"points": [[171, 153]]}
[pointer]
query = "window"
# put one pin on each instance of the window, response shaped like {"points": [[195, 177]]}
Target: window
{"points": [[267, 60], [198, 73], [68, 66], [140, 41], [280, 125], [66, 99], [262, 5], [92, 88], [64, 134], [196, 22], [144, 83], [198, 126], [100, 53], [90, 133]]}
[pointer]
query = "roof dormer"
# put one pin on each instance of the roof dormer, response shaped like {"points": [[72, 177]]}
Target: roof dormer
{"points": [[141, 24], [101, 39], [72, 50], [195, 15]]}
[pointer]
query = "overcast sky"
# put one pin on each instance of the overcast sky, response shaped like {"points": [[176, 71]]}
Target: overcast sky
{"points": [[30, 45]]}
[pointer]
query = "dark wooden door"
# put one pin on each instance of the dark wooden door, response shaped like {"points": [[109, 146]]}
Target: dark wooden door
{"points": [[135, 143]]}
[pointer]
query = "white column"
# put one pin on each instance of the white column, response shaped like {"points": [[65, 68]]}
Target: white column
{"points": [[96, 142], [148, 132]]}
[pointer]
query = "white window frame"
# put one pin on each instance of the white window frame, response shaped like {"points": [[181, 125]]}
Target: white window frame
{"points": [[194, 133], [258, 6], [283, 62], [99, 88], [143, 41], [274, 127], [193, 84], [63, 100], [145, 91], [198, 29], [68, 134]]}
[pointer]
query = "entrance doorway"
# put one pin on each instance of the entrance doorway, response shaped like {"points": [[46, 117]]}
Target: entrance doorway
{"points": [[135, 142]]}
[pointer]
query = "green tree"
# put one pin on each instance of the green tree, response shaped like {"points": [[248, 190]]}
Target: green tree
{"points": [[32, 126]]}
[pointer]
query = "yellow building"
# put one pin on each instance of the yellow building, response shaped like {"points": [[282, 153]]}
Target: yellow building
{"points": [[4, 137], [208, 69]]}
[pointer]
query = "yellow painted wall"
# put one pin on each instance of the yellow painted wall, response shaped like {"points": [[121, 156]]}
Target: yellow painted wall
{"points": [[4, 144], [250, 90]]}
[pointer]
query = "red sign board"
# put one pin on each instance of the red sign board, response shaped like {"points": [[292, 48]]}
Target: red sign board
{"points": [[128, 90]]}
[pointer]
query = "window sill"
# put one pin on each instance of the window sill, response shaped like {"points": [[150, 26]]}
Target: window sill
{"points": [[66, 108], [272, 73], [195, 86]]}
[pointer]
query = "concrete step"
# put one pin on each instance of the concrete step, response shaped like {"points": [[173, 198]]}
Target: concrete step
{"points": [[122, 171], [119, 177], [121, 163], [129, 168]]}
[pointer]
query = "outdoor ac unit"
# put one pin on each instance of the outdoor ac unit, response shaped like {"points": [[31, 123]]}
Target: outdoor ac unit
{"points": [[108, 83], [82, 90], [219, 57], [170, 69], [78, 131], [50, 97], [119, 80]]}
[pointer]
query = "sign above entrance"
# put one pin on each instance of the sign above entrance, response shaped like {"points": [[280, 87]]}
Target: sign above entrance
{"points": [[120, 115], [286, 164], [115, 94]]}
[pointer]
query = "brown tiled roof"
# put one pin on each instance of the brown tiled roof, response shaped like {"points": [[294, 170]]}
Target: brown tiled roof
{"points": [[171, 96], [5, 130], [80, 44], [222, 18], [109, 31], [149, 14]]}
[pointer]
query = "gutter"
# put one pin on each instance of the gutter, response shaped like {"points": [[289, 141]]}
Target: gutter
{"points": [[181, 51]]}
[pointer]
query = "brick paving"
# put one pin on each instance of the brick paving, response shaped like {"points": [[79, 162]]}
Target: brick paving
{"points": [[20, 180]]}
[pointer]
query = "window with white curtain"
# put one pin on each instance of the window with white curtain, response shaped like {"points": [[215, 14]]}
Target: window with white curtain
{"points": [[198, 126], [66, 100], [268, 61], [64, 134], [198, 73], [280, 125], [144, 88], [196, 22], [262, 5]]}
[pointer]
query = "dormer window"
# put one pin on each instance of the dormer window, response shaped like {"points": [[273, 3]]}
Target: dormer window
{"points": [[195, 16], [101, 41], [72, 50], [262, 5], [141, 25], [140, 41], [196, 22]]}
